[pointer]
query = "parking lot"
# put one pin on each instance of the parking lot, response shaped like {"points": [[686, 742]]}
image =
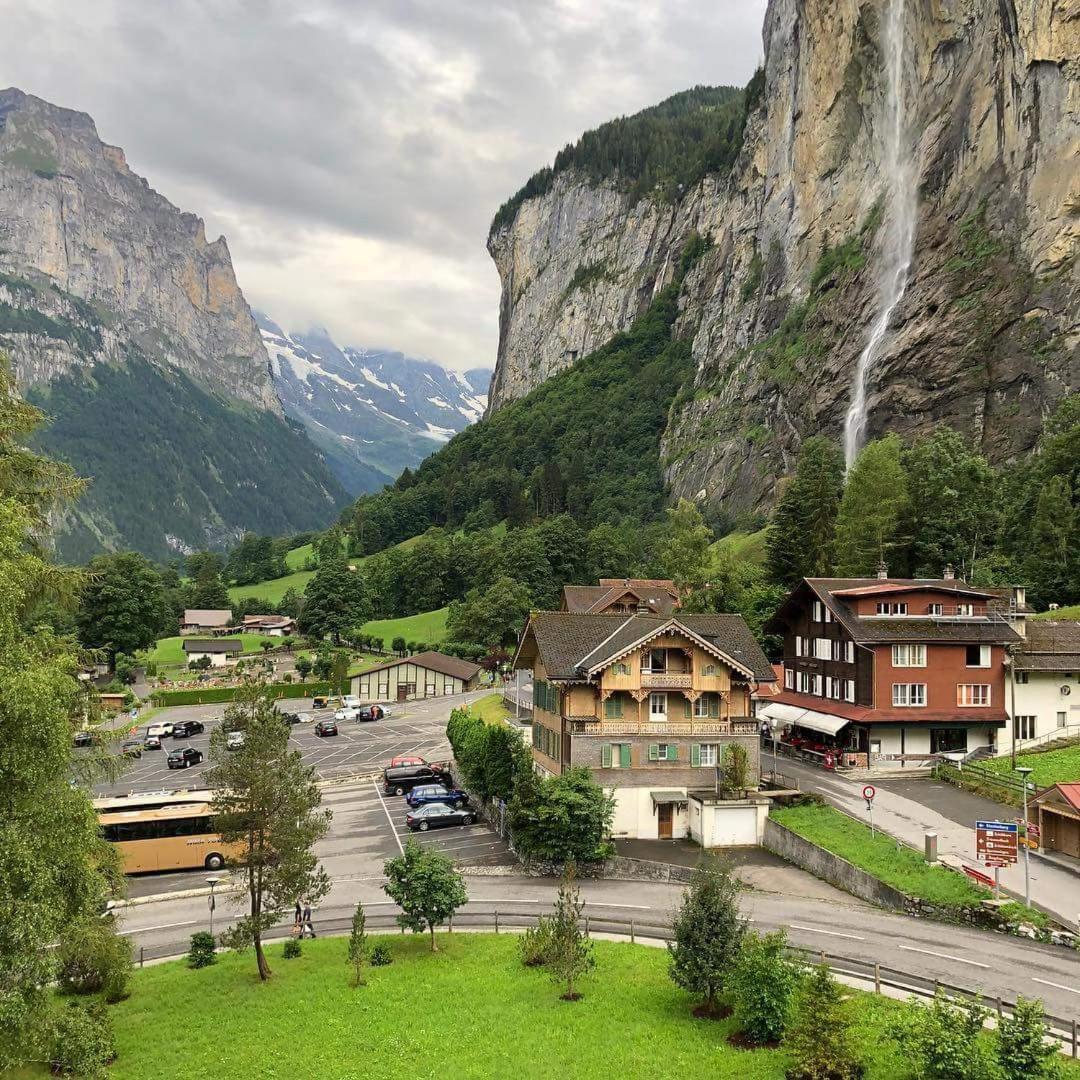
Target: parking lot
{"points": [[358, 749]]}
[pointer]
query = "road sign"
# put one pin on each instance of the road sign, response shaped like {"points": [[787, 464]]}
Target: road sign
{"points": [[868, 792], [996, 842]]}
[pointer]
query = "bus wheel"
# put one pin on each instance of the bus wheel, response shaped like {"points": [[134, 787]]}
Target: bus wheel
{"points": [[214, 861]]}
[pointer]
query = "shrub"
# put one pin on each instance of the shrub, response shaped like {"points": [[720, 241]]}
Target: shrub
{"points": [[763, 982], [821, 1041], [1022, 1050], [81, 1041], [535, 944], [151, 669], [287, 678], [94, 958], [943, 1040], [202, 951], [292, 949], [380, 955]]}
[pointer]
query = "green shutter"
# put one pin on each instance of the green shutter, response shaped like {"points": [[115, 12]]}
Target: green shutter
{"points": [[714, 705], [605, 756], [687, 708], [654, 751], [624, 755], [618, 706], [695, 755], [672, 752]]}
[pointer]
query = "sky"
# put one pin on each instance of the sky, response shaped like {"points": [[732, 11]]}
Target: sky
{"points": [[353, 152]]}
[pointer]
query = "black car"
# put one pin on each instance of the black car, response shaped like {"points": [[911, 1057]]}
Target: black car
{"points": [[403, 778], [184, 757], [326, 727], [184, 729], [86, 738], [370, 712], [435, 815], [290, 717], [131, 748]]}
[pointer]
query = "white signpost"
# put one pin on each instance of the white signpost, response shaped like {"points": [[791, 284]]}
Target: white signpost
{"points": [[868, 794]]}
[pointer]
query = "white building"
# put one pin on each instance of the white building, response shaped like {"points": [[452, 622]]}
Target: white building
{"points": [[220, 650], [1043, 691]]}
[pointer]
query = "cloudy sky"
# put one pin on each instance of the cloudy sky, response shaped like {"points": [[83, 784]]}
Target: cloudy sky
{"points": [[353, 151]]}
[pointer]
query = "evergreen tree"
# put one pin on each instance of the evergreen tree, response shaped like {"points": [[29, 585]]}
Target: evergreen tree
{"points": [[801, 536], [569, 953], [821, 1040], [872, 511], [1053, 555], [358, 944], [209, 591], [335, 602]]}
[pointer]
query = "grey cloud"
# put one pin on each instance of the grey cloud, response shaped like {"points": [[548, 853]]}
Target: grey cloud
{"points": [[388, 129]]}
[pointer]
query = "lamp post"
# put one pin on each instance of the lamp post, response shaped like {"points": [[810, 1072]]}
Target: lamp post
{"points": [[1025, 772], [210, 901]]}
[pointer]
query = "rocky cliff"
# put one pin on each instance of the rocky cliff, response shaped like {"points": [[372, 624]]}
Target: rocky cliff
{"points": [[104, 283], [986, 335]]}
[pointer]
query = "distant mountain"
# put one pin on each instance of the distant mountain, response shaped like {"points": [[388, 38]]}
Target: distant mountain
{"points": [[127, 326], [372, 412]]}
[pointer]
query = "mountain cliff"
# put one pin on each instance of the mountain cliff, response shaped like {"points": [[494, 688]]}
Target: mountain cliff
{"points": [[113, 304], [894, 238], [373, 412]]}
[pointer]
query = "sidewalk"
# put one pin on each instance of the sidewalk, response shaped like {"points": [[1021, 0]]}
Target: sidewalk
{"points": [[1053, 889]]}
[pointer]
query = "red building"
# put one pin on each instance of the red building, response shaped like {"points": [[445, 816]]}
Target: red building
{"points": [[890, 671]]}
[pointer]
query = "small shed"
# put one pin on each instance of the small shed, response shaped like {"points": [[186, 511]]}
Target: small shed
{"points": [[111, 702], [220, 650], [427, 674], [1058, 808]]}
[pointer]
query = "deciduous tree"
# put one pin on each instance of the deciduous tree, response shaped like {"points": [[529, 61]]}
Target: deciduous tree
{"points": [[427, 888], [1025, 1050], [944, 1040], [763, 984], [336, 600], [122, 606], [821, 1040], [562, 818], [358, 944]]}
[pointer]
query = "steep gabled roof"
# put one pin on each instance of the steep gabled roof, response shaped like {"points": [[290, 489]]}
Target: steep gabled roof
{"points": [[657, 595]]}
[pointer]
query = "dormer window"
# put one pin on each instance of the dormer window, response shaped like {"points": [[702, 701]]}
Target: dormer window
{"points": [[885, 608], [934, 609], [620, 669]]}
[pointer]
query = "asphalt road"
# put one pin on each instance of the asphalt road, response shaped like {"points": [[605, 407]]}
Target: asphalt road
{"points": [[358, 748]]}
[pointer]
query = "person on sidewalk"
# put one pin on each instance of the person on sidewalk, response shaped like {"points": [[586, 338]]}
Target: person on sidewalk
{"points": [[306, 927]]}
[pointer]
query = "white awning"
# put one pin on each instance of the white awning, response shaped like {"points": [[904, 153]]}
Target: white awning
{"points": [[776, 712]]}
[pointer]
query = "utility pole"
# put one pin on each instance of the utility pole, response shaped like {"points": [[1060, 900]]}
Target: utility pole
{"points": [[1025, 772]]}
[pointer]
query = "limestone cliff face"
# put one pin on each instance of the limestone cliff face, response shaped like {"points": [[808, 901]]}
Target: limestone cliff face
{"points": [[75, 219], [987, 336]]}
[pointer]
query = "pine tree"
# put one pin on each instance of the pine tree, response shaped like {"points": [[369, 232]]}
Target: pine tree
{"points": [[358, 944], [570, 952], [872, 511], [1053, 562]]}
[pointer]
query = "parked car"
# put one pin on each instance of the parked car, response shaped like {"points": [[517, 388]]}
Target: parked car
{"points": [[350, 701], [406, 759], [184, 729], [326, 701], [131, 748], [346, 714], [160, 728], [234, 740], [290, 718], [397, 780], [436, 793], [326, 727], [435, 815], [152, 742], [184, 757], [85, 738]]}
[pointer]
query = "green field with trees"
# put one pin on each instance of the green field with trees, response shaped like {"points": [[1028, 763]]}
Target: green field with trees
{"points": [[428, 627]]}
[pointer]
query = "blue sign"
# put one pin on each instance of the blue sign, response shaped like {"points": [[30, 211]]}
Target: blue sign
{"points": [[997, 826]]}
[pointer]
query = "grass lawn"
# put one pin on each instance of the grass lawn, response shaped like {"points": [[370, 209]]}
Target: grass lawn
{"points": [[470, 1011], [742, 546], [170, 650], [429, 626], [903, 869], [273, 591], [1070, 612], [296, 558], [491, 709], [1050, 767]]}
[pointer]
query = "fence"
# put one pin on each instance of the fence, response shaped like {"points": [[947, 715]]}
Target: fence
{"points": [[638, 929], [973, 771]]}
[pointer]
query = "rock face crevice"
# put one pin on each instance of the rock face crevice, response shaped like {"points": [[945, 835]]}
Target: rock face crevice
{"points": [[987, 336]]}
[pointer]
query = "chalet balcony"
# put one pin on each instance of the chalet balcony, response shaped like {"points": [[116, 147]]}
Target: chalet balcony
{"points": [[667, 680], [588, 726]]}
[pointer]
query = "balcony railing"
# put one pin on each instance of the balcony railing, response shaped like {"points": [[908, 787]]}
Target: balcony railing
{"points": [[666, 680], [740, 726]]}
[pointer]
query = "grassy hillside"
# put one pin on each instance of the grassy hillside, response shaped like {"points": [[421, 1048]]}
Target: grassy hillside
{"points": [[1049, 767], [170, 650], [742, 546], [273, 591], [429, 626], [1070, 612]]}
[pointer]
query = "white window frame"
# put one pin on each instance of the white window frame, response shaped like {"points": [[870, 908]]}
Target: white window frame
{"points": [[984, 657], [798, 644], [804, 682], [1024, 726], [789, 678], [819, 686], [966, 609], [818, 606], [966, 694], [1062, 719], [909, 656], [657, 716], [935, 609], [701, 703], [709, 753], [822, 648], [849, 690], [909, 695]]}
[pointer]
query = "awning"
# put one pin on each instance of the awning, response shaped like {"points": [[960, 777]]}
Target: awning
{"points": [[776, 712], [663, 798]]}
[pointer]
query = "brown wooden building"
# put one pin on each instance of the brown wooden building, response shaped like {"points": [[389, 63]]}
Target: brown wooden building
{"points": [[427, 674], [1058, 810], [622, 596]]}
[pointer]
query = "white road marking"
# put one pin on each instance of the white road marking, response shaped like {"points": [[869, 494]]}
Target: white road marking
{"points": [[397, 839], [943, 956], [831, 933], [161, 926], [1057, 986]]}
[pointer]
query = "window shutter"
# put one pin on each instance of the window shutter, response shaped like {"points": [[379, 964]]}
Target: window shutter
{"points": [[605, 756], [672, 752], [686, 708], [695, 755], [654, 751], [618, 707], [714, 705], [624, 755]]}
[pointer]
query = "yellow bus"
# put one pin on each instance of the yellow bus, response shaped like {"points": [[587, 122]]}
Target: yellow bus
{"points": [[176, 836]]}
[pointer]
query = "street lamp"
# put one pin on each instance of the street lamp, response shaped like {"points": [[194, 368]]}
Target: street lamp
{"points": [[1025, 772], [210, 902]]}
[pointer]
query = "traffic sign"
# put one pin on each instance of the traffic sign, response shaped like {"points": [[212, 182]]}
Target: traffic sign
{"points": [[996, 842], [868, 792]]}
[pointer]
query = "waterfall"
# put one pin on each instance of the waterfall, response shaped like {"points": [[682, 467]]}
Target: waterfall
{"points": [[900, 215]]}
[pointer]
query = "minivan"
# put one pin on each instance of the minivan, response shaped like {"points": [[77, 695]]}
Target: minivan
{"points": [[403, 778]]}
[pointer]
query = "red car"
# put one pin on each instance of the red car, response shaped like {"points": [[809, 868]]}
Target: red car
{"points": [[414, 759]]}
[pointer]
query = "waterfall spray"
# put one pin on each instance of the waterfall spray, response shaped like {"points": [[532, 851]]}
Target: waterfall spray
{"points": [[900, 214]]}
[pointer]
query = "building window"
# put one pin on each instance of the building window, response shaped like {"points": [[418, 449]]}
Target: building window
{"points": [[798, 645], [709, 669], [701, 708], [615, 756], [1023, 727], [804, 682], [822, 648], [620, 669], [934, 609], [708, 754], [819, 686], [885, 608], [973, 694], [1062, 719], [656, 661], [948, 740], [965, 609], [908, 695], [663, 752], [613, 707], [827, 614], [909, 656], [977, 655], [1021, 677], [819, 607], [545, 697], [789, 679], [658, 706], [849, 689]]}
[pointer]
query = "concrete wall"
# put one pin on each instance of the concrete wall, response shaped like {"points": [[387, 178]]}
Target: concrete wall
{"points": [[829, 867], [636, 817]]}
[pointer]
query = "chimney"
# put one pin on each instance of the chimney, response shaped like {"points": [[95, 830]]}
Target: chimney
{"points": [[882, 571], [950, 573]]}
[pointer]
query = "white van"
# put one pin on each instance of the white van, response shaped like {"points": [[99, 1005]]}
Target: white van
{"points": [[350, 701]]}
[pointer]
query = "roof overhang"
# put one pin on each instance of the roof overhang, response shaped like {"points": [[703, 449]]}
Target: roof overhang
{"points": [[826, 723], [667, 798]]}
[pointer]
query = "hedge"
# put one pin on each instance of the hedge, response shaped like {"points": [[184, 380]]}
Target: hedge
{"points": [[214, 694]]}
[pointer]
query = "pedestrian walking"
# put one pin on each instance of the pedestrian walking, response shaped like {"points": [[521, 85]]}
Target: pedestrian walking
{"points": [[307, 928], [298, 921]]}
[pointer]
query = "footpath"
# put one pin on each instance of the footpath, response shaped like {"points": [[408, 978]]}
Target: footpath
{"points": [[1054, 889]]}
